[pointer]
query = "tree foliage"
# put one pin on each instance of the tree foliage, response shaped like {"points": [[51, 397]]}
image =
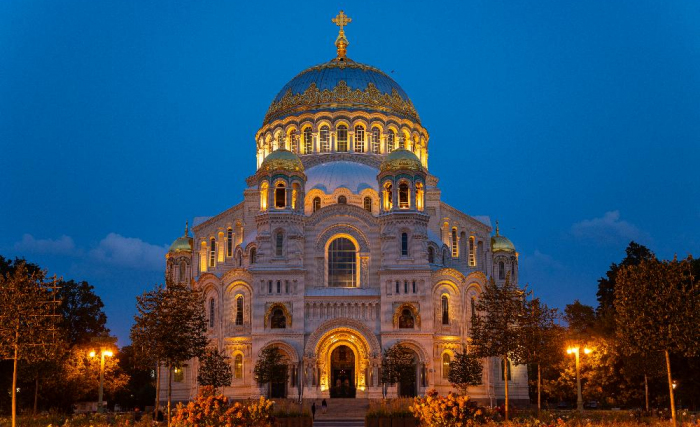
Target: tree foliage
{"points": [[465, 370], [497, 329], [658, 310], [214, 369], [270, 366], [398, 365], [82, 315]]}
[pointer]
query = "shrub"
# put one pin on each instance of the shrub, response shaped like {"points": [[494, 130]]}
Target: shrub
{"points": [[211, 410], [446, 411]]}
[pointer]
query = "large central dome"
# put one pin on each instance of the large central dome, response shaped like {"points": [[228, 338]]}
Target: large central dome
{"points": [[341, 84]]}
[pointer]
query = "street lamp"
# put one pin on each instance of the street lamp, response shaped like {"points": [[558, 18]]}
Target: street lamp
{"points": [[103, 353], [579, 398]]}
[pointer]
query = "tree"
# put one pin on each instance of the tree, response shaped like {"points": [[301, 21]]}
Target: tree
{"points": [[270, 367], [82, 315], [465, 370], [658, 310], [541, 338], [605, 313], [170, 327], [140, 389], [28, 318], [214, 369], [581, 321], [497, 330], [398, 365]]}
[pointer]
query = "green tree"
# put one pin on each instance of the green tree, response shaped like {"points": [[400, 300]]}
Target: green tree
{"points": [[82, 315], [497, 330], [581, 321], [170, 327], [28, 318], [541, 338], [605, 313], [140, 389], [398, 365], [214, 369], [270, 366], [465, 370], [658, 310]]}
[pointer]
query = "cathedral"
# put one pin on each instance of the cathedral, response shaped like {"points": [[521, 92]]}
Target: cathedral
{"points": [[342, 247]]}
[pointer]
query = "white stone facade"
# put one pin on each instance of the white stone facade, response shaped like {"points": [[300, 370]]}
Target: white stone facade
{"points": [[329, 249]]}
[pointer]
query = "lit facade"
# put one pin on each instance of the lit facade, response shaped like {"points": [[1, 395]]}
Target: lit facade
{"points": [[342, 247]]}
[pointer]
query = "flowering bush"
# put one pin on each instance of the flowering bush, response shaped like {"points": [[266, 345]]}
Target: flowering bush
{"points": [[446, 411], [211, 410]]}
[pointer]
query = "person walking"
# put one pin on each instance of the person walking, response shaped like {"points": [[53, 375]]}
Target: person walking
{"points": [[324, 406], [313, 411]]}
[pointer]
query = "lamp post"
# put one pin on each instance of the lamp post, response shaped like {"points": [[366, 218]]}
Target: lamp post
{"points": [[103, 353], [579, 398]]}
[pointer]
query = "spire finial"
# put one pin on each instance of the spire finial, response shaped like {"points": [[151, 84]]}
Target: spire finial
{"points": [[187, 228], [341, 43], [496, 227]]}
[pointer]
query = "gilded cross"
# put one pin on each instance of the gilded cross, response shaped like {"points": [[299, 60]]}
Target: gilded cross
{"points": [[341, 20]]}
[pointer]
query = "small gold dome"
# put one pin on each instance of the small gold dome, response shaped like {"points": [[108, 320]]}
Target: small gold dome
{"points": [[282, 160], [401, 159], [184, 243]]}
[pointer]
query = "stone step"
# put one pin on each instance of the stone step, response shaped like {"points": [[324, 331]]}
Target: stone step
{"points": [[339, 423]]}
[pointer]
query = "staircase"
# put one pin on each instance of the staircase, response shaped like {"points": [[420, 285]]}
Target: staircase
{"points": [[342, 413]]}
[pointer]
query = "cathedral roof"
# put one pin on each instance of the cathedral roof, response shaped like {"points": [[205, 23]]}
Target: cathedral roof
{"points": [[401, 159], [282, 159], [341, 84], [182, 244], [501, 243], [330, 176]]}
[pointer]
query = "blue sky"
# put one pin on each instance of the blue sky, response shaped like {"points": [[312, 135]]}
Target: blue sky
{"points": [[576, 124]]}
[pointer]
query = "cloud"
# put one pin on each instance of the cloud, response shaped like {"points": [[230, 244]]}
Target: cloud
{"points": [[129, 252], [609, 229], [64, 245]]}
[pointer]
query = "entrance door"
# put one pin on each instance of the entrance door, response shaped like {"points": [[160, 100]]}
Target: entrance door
{"points": [[408, 378], [278, 388], [342, 372]]}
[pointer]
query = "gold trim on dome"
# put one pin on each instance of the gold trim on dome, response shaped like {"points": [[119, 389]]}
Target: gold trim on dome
{"points": [[401, 164], [291, 165], [341, 96]]}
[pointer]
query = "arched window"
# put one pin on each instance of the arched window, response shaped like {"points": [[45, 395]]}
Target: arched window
{"points": [[359, 139], [444, 258], [324, 139], [368, 204], [239, 259], [212, 252], [512, 269], [308, 141], [342, 263], [239, 310], [238, 367], [472, 304], [445, 365], [501, 270], [472, 254], [402, 141], [406, 319], [182, 271], [342, 134], [296, 193], [375, 140], [455, 248], [431, 255], [445, 310], [403, 196], [317, 203], [279, 243], [239, 232], [390, 141], [253, 256], [342, 200], [388, 195], [212, 312], [278, 319], [294, 141], [280, 196], [263, 196], [404, 244], [229, 242], [420, 202], [280, 140]]}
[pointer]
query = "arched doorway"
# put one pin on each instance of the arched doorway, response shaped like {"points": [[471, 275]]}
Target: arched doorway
{"points": [[342, 372], [408, 383]]}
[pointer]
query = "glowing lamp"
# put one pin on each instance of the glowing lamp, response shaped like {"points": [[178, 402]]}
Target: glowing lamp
{"points": [[92, 353], [587, 350], [107, 353]]}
